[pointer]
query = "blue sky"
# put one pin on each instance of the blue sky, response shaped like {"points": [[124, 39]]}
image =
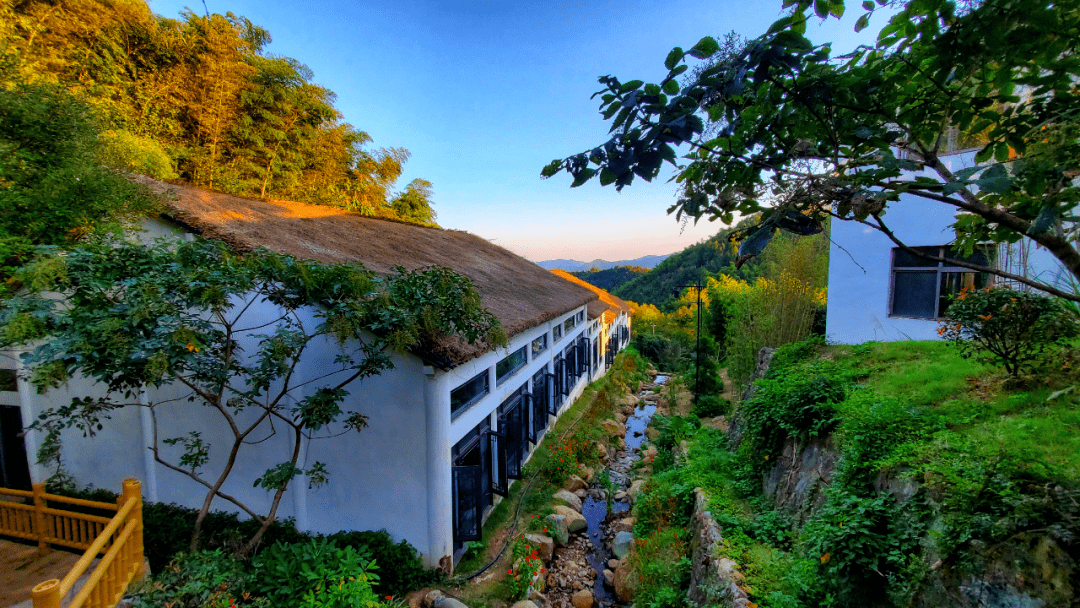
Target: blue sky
{"points": [[483, 94]]}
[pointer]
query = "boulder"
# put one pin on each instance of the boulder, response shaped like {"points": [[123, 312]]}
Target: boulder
{"points": [[620, 495], [575, 522], [622, 443], [570, 499], [635, 488], [575, 483], [582, 599], [430, 598], [525, 604], [626, 585], [609, 578], [650, 453], [586, 473], [621, 544], [545, 545], [449, 602], [601, 449], [539, 599], [613, 427], [624, 525], [581, 494], [558, 529], [612, 564], [620, 417]]}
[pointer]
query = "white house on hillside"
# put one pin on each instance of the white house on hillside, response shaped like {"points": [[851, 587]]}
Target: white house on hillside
{"points": [[609, 323], [879, 292], [450, 426]]}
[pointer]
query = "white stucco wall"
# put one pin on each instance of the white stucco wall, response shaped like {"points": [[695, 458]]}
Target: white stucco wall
{"points": [[393, 475], [860, 265]]}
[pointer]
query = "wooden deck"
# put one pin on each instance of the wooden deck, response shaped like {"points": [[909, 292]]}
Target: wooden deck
{"points": [[21, 568]]}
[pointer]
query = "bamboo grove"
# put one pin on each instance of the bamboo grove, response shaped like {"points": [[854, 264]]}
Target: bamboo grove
{"points": [[199, 98]]}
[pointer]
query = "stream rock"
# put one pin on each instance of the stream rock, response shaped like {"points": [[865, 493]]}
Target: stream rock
{"points": [[635, 488], [525, 604], [622, 543], [575, 483], [575, 522], [625, 585], [570, 499], [582, 599], [587, 473], [624, 525], [613, 427], [558, 529], [545, 545], [609, 578]]}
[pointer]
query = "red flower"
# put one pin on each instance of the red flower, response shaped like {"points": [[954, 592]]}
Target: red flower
{"points": [[389, 597]]}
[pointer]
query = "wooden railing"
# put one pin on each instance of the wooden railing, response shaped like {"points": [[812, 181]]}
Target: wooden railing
{"points": [[118, 539]]}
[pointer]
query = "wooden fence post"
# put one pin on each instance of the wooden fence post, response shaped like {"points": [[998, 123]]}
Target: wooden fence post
{"points": [[47, 594], [40, 518]]}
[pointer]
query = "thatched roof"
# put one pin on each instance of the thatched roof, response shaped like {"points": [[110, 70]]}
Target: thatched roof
{"points": [[607, 306], [518, 292]]}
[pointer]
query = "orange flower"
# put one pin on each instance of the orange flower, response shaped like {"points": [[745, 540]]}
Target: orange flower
{"points": [[825, 558], [986, 317]]}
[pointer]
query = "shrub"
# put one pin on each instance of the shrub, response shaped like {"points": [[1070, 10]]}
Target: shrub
{"points": [[211, 579], [709, 406], [285, 572], [400, 568], [1013, 328]]}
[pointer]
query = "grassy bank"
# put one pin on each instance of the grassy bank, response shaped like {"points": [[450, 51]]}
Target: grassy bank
{"points": [[946, 471]]}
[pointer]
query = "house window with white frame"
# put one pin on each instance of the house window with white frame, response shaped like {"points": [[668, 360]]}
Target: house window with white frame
{"points": [[922, 289], [556, 333]]}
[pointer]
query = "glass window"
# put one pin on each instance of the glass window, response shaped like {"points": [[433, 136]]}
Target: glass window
{"points": [[556, 333], [539, 345], [510, 364], [7, 380], [568, 325], [469, 393], [580, 316], [923, 289]]}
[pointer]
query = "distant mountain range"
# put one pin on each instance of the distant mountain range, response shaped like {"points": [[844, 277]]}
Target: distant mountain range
{"points": [[649, 261]]}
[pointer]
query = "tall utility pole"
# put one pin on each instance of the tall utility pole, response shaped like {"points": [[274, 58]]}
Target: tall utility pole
{"points": [[697, 349]]}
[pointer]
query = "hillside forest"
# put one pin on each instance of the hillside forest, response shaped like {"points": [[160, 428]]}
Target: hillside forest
{"points": [[198, 98]]}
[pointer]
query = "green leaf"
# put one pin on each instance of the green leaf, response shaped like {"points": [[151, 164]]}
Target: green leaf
{"points": [[675, 56], [652, 89], [836, 7], [1044, 222], [582, 177], [821, 8], [552, 168], [1001, 152], [607, 176], [630, 86], [862, 23], [671, 87], [611, 110], [995, 180], [704, 48], [868, 5]]}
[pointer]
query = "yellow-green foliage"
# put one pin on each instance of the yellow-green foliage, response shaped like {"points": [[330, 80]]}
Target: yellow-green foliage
{"points": [[777, 308]]}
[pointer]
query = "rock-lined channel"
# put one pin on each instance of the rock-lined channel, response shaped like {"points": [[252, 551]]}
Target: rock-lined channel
{"points": [[584, 572]]}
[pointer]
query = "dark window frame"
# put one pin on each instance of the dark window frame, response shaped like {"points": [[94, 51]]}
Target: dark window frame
{"points": [[509, 373], [471, 401], [941, 274], [543, 339]]}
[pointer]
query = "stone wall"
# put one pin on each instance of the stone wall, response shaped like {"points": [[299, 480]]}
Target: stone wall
{"points": [[714, 580]]}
